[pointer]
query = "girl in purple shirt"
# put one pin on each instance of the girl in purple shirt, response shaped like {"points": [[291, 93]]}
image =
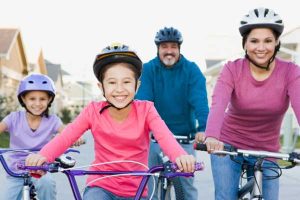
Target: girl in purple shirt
{"points": [[31, 129], [250, 99]]}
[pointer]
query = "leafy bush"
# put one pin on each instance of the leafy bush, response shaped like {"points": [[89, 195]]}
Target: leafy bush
{"points": [[6, 106], [65, 115]]}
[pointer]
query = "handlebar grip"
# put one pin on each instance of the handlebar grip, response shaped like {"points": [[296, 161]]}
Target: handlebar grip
{"points": [[200, 146], [198, 166], [23, 167]]}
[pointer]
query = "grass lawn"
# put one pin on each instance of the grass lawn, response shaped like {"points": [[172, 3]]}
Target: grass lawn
{"points": [[4, 140]]}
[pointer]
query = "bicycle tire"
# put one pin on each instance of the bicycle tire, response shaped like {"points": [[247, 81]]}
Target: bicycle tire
{"points": [[174, 190]]}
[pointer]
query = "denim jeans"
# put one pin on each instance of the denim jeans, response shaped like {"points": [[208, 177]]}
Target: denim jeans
{"points": [[97, 193], [190, 191], [45, 187], [226, 175]]}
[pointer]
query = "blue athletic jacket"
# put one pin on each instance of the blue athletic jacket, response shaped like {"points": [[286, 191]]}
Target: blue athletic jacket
{"points": [[179, 94]]}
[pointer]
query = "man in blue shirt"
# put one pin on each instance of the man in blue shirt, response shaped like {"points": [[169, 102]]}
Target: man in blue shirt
{"points": [[178, 89]]}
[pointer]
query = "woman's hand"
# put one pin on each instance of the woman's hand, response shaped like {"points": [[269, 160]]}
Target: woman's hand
{"points": [[213, 144], [186, 163], [35, 160]]}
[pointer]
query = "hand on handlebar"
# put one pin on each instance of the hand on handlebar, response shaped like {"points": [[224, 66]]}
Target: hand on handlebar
{"points": [[186, 163], [79, 142], [199, 137], [35, 160], [213, 144]]}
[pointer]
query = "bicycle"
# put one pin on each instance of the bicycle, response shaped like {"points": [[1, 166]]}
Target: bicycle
{"points": [[171, 188], [253, 187], [167, 170], [28, 191]]}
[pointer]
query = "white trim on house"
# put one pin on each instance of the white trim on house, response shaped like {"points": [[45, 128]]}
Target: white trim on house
{"points": [[11, 73]]}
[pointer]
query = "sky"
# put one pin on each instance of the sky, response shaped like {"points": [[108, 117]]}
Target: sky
{"points": [[72, 32]]}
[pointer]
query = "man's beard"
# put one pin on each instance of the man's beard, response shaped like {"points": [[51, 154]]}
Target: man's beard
{"points": [[169, 61]]}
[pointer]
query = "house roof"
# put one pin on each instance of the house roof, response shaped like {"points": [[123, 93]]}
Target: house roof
{"points": [[54, 70], [7, 36]]}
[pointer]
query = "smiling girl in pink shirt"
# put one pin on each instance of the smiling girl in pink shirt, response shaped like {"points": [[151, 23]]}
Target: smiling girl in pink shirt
{"points": [[120, 127]]}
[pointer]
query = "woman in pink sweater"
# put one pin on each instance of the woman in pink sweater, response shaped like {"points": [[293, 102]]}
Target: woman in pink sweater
{"points": [[250, 99], [120, 127]]}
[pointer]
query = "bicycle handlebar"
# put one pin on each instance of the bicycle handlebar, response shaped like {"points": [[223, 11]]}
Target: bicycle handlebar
{"points": [[291, 157], [170, 169], [14, 174]]}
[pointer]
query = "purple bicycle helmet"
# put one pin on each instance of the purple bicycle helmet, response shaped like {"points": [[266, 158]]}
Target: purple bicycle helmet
{"points": [[36, 82]]}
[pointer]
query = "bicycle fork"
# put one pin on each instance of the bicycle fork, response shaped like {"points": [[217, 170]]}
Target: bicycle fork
{"points": [[29, 192], [258, 176]]}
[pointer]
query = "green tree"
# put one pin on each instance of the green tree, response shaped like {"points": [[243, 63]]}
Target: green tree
{"points": [[65, 115], [6, 106]]}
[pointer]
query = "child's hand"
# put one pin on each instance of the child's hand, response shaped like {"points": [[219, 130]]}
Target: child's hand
{"points": [[186, 163], [35, 160], [79, 142]]}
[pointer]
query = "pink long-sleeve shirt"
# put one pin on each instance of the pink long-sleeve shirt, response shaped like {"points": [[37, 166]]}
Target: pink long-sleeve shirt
{"points": [[113, 141], [247, 113]]}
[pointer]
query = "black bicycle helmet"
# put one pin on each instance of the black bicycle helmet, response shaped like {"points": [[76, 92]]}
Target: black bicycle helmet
{"points": [[116, 53], [261, 18], [168, 35]]}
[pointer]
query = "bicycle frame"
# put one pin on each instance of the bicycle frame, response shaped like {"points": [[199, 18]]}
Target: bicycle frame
{"points": [[71, 174], [164, 183], [27, 186], [254, 185]]}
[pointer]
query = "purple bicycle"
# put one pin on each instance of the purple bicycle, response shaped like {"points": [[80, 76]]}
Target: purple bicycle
{"points": [[29, 191], [167, 170]]}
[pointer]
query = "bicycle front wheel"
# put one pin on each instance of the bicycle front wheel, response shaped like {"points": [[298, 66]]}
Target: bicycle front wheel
{"points": [[174, 191]]}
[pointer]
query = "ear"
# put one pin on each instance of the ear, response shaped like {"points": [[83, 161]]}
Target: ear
{"points": [[100, 86], [50, 98], [23, 98]]}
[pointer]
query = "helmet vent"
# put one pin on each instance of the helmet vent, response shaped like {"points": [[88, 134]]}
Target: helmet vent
{"points": [[44, 82], [256, 12], [261, 18], [31, 82], [266, 12]]}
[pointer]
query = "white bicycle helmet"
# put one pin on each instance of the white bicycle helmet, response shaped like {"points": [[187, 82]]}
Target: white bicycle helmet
{"points": [[261, 18]]}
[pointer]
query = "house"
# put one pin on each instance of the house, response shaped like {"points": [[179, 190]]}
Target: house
{"points": [[55, 72], [79, 93], [13, 61], [39, 65]]}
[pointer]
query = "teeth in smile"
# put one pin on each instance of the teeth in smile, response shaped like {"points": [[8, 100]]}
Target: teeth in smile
{"points": [[120, 98]]}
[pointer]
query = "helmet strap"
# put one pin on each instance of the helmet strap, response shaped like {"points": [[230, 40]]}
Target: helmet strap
{"points": [[112, 105], [45, 113], [267, 68]]}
